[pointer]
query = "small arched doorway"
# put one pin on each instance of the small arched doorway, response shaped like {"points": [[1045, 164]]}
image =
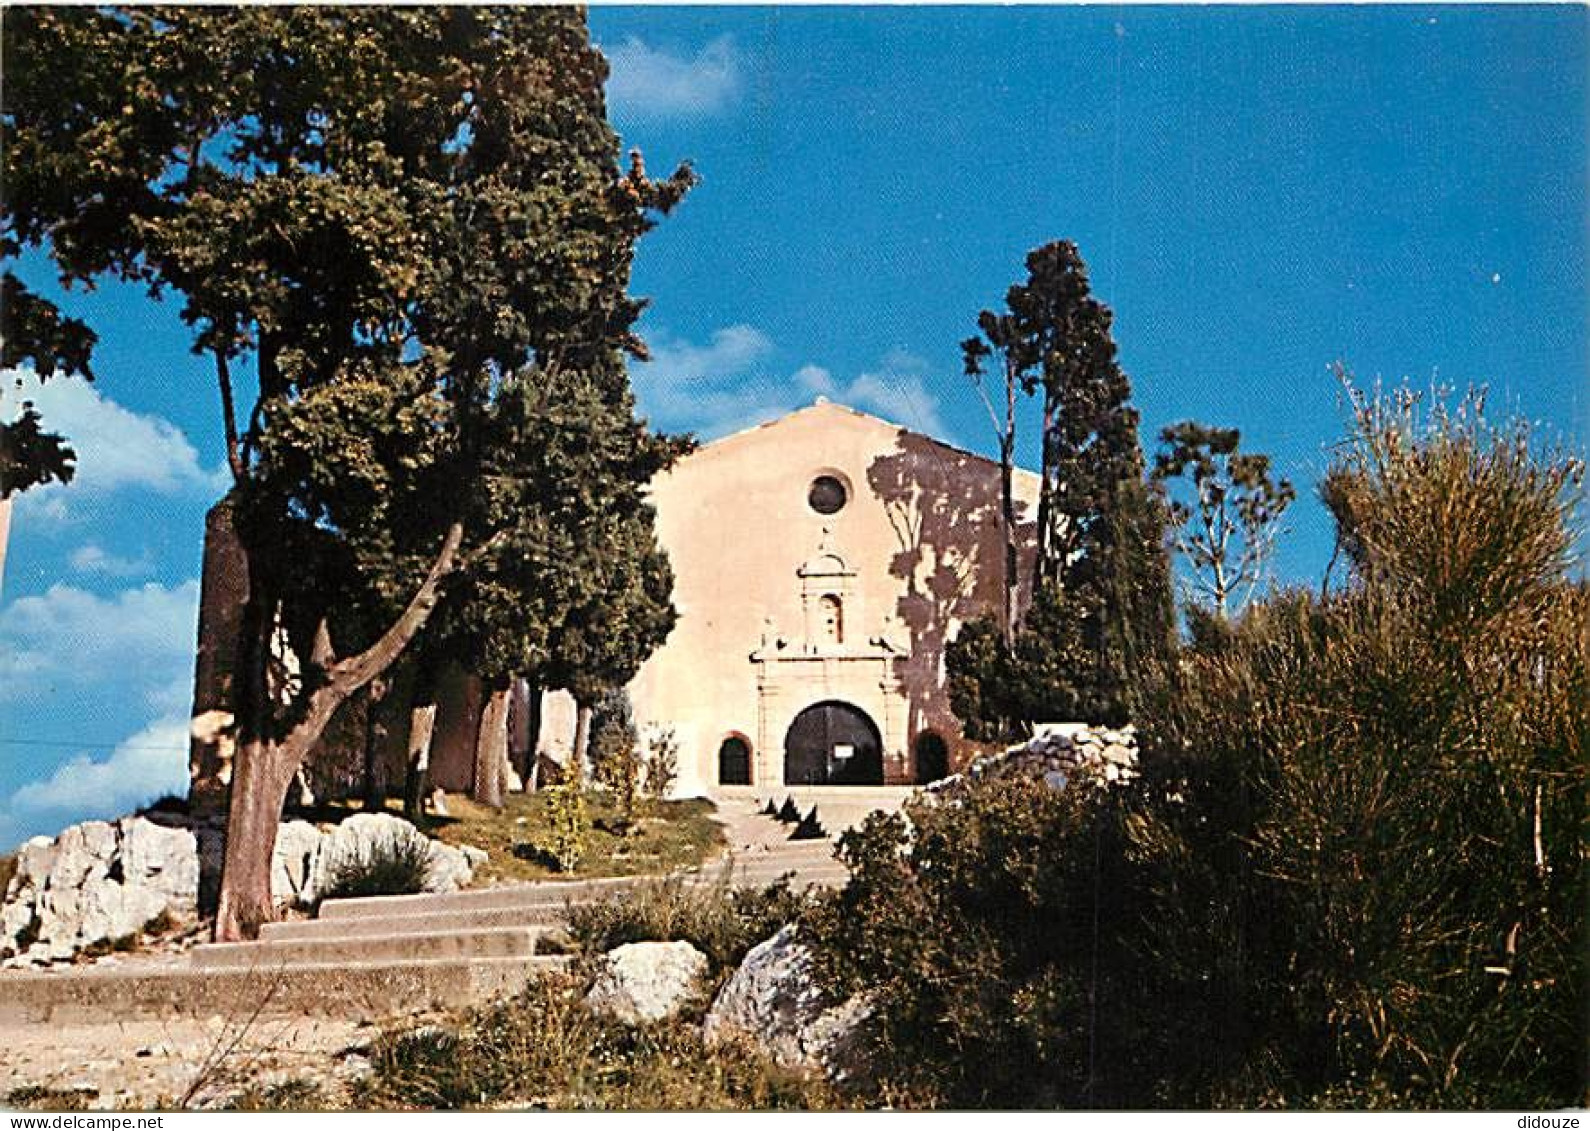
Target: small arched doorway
{"points": [[932, 758], [833, 743], [734, 761]]}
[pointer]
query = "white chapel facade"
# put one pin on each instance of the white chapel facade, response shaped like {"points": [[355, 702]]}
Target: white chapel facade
{"points": [[822, 561]]}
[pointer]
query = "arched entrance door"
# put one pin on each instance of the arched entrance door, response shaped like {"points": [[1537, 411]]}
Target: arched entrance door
{"points": [[833, 743], [932, 758], [734, 761]]}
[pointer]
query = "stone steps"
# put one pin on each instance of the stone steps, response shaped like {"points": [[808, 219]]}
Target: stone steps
{"points": [[509, 897], [399, 943], [547, 916], [364, 990]]}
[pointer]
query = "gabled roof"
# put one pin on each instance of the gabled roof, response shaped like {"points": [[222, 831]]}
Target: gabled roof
{"points": [[845, 412]]}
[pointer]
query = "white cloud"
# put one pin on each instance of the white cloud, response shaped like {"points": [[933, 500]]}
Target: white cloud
{"points": [[143, 767], [651, 83], [69, 637], [727, 384], [95, 559], [117, 449]]}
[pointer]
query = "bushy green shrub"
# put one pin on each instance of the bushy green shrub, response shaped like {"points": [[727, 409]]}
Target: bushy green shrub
{"points": [[397, 864], [721, 921], [568, 825], [970, 924], [1376, 867], [615, 751]]}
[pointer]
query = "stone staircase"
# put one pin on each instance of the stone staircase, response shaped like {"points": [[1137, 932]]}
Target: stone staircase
{"points": [[374, 956]]}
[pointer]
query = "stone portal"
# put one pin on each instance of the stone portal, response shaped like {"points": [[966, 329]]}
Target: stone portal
{"points": [[833, 744]]}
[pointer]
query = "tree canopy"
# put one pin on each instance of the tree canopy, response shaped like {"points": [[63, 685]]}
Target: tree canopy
{"points": [[379, 221]]}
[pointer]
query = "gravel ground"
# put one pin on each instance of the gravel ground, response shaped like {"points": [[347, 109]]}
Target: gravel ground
{"points": [[188, 1062]]}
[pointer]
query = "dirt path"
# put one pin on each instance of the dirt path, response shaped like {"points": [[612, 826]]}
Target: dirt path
{"points": [[195, 1062]]}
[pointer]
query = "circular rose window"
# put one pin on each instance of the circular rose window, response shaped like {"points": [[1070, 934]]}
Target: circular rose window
{"points": [[827, 494]]}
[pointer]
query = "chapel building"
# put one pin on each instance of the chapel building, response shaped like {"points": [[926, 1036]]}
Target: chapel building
{"points": [[822, 561]]}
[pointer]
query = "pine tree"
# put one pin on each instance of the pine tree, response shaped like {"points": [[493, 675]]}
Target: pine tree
{"points": [[1100, 611]]}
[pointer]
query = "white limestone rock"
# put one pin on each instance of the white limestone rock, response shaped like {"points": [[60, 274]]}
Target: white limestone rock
{"points": [[107, 911], [34, 861], [164, 860], [451, 868], [646, 981], [82, 853], [298, 845], [774, 1002]]}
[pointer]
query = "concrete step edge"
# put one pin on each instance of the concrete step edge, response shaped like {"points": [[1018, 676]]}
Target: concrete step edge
{"points": [[420, 922], [247, 955]]}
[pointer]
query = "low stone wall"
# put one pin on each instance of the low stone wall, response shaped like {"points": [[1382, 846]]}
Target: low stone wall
{"points": [[1060, 754]]}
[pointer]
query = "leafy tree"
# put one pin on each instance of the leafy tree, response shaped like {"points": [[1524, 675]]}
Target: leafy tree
{"points": [[30, 456], [1227, 532], [383, 211], [1100, 606]]}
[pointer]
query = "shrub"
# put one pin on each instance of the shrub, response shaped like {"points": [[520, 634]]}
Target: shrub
{"points": [[544, 1049], [662, 765], [721, 921], [615, 757], [398, 864], [1351, 873], [568, 825], [970, 926]]}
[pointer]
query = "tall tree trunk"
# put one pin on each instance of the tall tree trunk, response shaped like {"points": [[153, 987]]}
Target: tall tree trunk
{"points": [[582, 741], [422, 728], [1007, 505], [491, 746], [265, 765], [374, 741], [532, 765]]}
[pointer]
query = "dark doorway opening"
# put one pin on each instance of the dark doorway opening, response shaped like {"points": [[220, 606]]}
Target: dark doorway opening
{"points": [[932, 758], [734, 761], [833, 744]]}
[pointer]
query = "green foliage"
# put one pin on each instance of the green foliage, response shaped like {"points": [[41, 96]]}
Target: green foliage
{"points": [[970, 925], [568, 825], [35, 1097], [614, 750], [1352, 873], [662, 764], [31, 457], [544, 1049], [283, 1095], [1100, 617], [399, 864], [1227, 532], [721, 921], [413, 228]]}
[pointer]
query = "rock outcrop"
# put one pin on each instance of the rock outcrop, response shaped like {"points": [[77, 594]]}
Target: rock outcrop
{"points": [[101, 882], [647, 981], [96, 883], [775, 1003]]}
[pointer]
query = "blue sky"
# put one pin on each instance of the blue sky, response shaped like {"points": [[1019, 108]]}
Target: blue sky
{"points": [[1258, 192]]}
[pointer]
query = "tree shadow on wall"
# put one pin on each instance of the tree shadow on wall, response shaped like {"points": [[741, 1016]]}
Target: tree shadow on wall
{"points": [[943, 505]]}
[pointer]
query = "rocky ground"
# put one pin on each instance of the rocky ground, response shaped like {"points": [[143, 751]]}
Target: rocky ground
{"points": [[177, 1063]]}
